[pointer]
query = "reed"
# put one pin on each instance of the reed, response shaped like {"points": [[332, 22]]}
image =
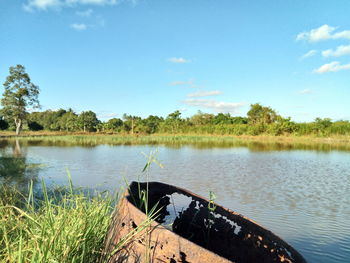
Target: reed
{"points": [[65, 224], [70, 227], [255, 143]]}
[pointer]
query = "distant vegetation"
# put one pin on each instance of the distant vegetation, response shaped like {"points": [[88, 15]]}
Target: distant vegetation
{"points": [[259, 120], [20, 93]]}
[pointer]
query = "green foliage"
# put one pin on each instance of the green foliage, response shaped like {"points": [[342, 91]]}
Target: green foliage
{"points": [[3, 124], [87, 121], [173, 122], [114, 125], [282, 126], [34, 126], [340, 128], [68, 121], [151, 124], [67, 227], [130, 123], [259, 120], [222, 119], [259, 114], [49, 119], [19, 94], [201, 118]]}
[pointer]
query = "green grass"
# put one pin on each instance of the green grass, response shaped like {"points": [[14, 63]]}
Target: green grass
{"points": [[69, 227], [254, 143]]}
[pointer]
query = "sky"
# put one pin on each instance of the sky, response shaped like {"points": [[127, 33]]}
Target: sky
{"points": [[152, 57]]}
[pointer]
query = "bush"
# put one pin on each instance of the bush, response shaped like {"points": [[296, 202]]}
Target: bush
{"points": [[34, 126]]}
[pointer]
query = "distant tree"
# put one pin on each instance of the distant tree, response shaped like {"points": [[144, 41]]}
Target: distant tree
{"points": [[34, 126], [201, 118], [130, 122], [19, 94], [222, 118], [239, 120], [52, 119], [49, 119], [114, 124], [323, 123], [282, 126], [68, 121], [259, 114], [151, 124], [173, 120], [87, 121]]}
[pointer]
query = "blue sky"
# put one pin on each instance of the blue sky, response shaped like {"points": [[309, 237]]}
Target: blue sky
{"points": [[145, 57]]}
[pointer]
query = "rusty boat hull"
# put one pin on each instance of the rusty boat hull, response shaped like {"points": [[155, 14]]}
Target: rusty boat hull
{"points": [[183, 229]]}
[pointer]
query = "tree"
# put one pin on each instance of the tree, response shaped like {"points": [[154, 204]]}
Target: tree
{"points": [[88, 121], [68, 121], [173, 120], [19, 94], [130, 122], [3, 124], [222, 118], [151, 124], [259, 114], [201, 118], [114, 124], [35, 126]]}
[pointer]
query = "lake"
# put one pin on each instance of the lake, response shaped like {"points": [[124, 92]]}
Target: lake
{"points": [[301, 195]]}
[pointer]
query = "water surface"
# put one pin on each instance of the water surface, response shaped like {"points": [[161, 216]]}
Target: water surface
{"points": [[301, 195]]}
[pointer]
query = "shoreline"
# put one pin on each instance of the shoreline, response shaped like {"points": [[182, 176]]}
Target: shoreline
{"points": [[185, 138]]}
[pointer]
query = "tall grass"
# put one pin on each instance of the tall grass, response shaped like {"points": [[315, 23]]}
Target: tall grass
{"points": [[255, 143], [70, 227]]}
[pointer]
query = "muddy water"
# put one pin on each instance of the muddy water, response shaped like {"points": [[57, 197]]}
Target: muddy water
{"points": [[301, 195]]}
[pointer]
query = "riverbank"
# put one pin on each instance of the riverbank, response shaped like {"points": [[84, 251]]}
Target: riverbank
{"points": [[254, 142]]}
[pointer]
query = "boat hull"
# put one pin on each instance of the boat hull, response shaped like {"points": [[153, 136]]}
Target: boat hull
{"points": [[199, 232]]}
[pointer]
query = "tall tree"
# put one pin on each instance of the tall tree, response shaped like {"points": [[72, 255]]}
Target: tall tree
{"points": [[20, 93], [68, 121], [173, 120], [130, 122], [88, 121]]}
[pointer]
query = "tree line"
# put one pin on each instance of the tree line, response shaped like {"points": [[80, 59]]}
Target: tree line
{"points": [[20, 94], [259, 120]]}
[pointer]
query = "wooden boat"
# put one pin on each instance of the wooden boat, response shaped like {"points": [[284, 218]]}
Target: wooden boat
{"points": [[185, 227]]}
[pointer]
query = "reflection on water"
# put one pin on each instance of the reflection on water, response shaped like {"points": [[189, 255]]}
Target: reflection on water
{"points": [[298, 193], [14, 167], [179, 142]]}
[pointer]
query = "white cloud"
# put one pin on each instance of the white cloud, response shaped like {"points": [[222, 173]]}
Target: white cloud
{"points": [[204, 94], [338, 52], [343, 34], [332, 67], [41, 4], [305, 91], [324, 32], [179, 60], [91, 2], [79, 27], [32, 5], [309, 54], [216, 106], [85, 13], [180, 83]]}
